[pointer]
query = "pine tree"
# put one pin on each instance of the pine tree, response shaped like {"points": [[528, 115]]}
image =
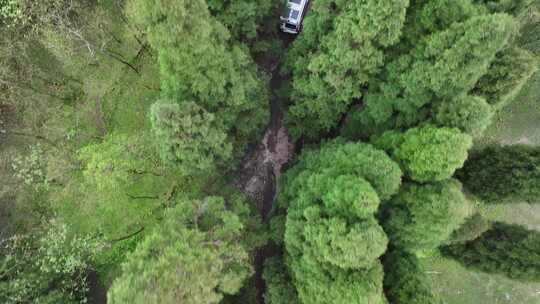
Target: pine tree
{"points": [[506, 76], [200, 63], [422, 217], [443, 65], [331, 236], [427, 153], [195, 256], [510, 250], [470, 114], [503, 174], [326, 84]]}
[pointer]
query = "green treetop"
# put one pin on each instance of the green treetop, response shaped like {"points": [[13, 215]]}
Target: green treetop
{"points": [[422, 217], [195, 256], [427, 153], [347, 56], [443, 65]]}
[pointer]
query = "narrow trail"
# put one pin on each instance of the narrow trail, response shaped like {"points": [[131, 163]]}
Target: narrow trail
{"points": [[262, 167]]}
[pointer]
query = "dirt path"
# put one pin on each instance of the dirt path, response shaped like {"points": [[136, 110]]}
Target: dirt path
{"points": [[259, 173]]}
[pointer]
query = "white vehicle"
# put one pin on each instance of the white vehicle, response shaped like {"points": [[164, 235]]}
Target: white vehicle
{"points": [[291, 21]]}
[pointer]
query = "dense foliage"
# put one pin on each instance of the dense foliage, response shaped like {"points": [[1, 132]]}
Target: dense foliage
{"points": [[510, 250], [344, 54], [503, 173], [200, 63], [331, 235], [442, 65], [427, 153], [422, 217], [126, 124], [195, 256], [405, 281]]}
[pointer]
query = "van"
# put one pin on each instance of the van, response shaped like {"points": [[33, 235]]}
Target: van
{"points": [[291, 20]]}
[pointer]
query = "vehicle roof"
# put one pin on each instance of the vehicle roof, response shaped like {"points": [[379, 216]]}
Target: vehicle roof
{"points": [[295, 10]]}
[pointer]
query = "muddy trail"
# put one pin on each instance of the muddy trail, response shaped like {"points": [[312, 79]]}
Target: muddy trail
{"points": [[263, 165]]}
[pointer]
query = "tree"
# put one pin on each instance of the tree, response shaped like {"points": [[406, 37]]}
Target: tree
{"points": [[199, 63], [189, 136], [510, 250], [470, 114], [503, 173], [422, 217], [428, 17], [443, 65], [473, 227], [123, 182], [331, 236], [47, 266], [405, 281], [278, 287], [427, 153], [196, 255], [321, 285], [326, 84], [242, 18], [508, 73]]}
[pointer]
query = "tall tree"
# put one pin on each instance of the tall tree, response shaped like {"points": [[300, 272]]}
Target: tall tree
{"points": [[506, 76], [200, 63], [331, 237], [195, 256], [470, 114], [503, 174], [422, 217], [443, 65], [510, 250], [427, 153], [325, 85], [405, 281]]}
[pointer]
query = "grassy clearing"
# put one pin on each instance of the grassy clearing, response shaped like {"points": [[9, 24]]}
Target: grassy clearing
{"points": [[457, 285], [520, 121]]}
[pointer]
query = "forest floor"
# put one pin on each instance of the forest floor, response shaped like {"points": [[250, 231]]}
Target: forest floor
{"points": [[263, 165]]}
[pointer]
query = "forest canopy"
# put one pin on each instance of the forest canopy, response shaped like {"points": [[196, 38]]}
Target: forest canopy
{"points": [[191, 151]]}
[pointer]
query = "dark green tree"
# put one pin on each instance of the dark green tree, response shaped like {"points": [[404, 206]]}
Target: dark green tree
{"points": [[506, 76], [405, 281], [422, 217], [279, 289], [473, 227], [427, 153], [503, 174], [510, 250]]}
